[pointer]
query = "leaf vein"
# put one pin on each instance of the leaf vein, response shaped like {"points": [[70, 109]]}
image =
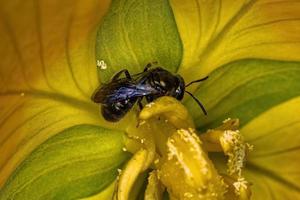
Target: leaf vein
{"points": [[68, 55], [234, 20], [41, 45], [276, 153], [60, 165], [11, 133], [272, 175], [246, 30], [277, 129]]}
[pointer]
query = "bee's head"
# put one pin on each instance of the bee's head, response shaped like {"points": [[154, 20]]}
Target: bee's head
{"points": [[179, 87], [170, 84]]}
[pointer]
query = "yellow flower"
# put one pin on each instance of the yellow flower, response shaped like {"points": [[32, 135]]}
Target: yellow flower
{"points": [[168, 144], [55, 144]]}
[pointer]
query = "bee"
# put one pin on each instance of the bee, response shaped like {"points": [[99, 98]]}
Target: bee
{"points": [[119, 95]]}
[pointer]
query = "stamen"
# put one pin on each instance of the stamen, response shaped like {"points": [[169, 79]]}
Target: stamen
{"points": [[171, 109], [129, 174], [187, 171], [242, 189], [154, 188], [235, 148], [179, 156]]}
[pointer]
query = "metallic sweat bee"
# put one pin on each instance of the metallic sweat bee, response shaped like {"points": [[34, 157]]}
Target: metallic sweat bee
{"points": [[119, 95]]}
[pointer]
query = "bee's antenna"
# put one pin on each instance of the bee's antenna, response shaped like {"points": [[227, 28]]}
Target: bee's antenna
{"points": [[198, 102], [196, 81]]}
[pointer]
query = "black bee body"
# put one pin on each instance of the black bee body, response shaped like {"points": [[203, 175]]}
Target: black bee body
{"points": [[119, 95]]}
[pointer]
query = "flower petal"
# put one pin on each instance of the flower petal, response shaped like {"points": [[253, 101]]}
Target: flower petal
{"points": [[47, 73], [274, 165], [49, 45], [264, 95], [217, 32], [135, 33], [86, 156], [245, 89]]}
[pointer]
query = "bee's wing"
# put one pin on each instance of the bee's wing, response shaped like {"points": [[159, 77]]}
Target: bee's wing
{"points": [[121, 90], [114, 91], [128, 92], [103, 92]]}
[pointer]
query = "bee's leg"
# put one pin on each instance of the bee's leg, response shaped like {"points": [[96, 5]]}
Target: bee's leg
{"points": [[139, 101], [127, 74], [147, 67], [117, 75], [151, 64], [149, 98]]}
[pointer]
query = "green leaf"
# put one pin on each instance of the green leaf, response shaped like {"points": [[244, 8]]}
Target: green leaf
{"points": [[78, 162], [245, 89], [135, 33]]}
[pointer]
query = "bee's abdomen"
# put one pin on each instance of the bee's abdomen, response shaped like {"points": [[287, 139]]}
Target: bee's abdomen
{"points": [[111, 114]]}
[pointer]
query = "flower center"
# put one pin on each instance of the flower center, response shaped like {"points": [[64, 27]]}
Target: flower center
{"points": [[164, 140]]}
